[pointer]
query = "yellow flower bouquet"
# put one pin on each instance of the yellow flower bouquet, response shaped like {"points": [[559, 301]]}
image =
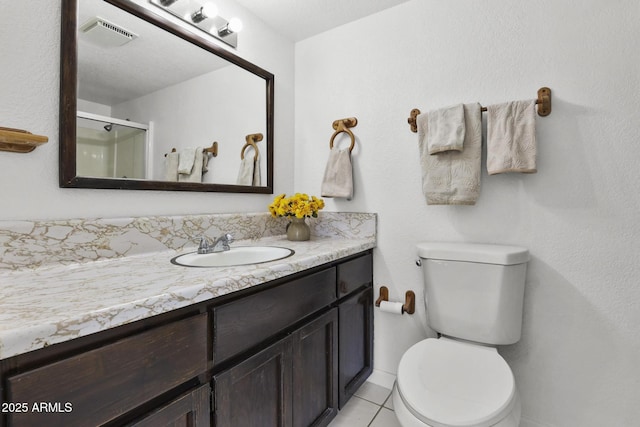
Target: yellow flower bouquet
{"points": [[299, 205]]}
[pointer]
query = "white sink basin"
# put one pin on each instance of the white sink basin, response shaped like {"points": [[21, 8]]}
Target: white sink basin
{"points": [[237, 255]]}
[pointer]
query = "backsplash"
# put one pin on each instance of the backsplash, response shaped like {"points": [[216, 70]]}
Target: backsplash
{"points": [[33, 244]]}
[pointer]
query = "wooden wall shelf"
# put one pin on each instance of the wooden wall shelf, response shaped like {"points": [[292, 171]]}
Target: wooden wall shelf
{"points": [[19, 141]]}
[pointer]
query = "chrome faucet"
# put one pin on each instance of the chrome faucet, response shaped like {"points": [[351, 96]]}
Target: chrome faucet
{"points": [[219, 245]]}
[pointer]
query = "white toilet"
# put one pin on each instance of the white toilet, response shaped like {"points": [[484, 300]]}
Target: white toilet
{"points": [[473, 295]]}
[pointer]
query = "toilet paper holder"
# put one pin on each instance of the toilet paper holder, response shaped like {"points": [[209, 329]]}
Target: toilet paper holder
{"points": [[409, 305]]}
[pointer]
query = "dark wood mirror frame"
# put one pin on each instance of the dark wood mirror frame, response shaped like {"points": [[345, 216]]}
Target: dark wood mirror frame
{"points": [[68, 106]]}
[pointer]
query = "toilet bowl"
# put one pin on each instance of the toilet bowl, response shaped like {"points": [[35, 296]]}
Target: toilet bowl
{"points": [[446, 383]]}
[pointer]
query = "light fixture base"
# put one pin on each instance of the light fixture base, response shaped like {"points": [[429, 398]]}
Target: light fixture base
{"points": [[184, 9]]}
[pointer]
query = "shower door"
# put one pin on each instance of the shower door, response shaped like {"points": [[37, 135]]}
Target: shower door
{"points": [[111, 148]]}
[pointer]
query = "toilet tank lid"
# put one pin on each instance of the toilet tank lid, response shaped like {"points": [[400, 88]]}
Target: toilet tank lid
{"points": [[473, 252]]}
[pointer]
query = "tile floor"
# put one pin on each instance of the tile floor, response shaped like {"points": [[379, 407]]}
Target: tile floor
{"points": [[370, 406]]}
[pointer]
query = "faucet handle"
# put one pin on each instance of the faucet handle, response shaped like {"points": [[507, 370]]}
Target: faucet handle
{"points": [[204, 245], [225, 240]]}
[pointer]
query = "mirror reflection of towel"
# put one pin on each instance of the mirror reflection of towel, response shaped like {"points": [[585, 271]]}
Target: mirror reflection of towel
{"points": [[245, 174], [187, 160], [249, 173], [171, 167], [196, 171], [256, 172], [338, 175]]}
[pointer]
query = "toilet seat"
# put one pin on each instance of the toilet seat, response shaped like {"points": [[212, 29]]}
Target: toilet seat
{"points": [[445, 383]]}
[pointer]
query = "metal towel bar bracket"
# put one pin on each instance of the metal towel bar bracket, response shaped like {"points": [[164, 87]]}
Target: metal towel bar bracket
{"points": [[543, 101]]}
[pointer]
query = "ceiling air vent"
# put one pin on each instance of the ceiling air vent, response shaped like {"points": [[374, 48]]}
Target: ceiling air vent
{"points": [[105, 34]]}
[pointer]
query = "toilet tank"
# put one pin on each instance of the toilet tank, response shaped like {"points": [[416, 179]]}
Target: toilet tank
{"points": [[474, 291]]}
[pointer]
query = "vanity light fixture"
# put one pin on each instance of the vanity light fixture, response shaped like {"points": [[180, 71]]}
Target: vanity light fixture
{"points": [[203, 16]]}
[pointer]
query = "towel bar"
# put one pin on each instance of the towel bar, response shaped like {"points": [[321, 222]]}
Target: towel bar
{"points": [[543, 101]]}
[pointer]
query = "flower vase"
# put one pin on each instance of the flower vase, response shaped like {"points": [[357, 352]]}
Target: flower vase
{"points": [[298, 230]]}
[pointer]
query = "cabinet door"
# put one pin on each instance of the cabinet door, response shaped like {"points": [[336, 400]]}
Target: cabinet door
{"points": [[315, 371], [355, 342], [257, 391], [189, 410]]}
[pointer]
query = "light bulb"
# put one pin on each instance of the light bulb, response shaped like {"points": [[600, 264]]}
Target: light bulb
{"points": [[209, 10], [235, 25]]}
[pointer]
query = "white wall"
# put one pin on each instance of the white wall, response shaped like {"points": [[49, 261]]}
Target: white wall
{"points": [[578, 361], [236, 111], [30, 52]]}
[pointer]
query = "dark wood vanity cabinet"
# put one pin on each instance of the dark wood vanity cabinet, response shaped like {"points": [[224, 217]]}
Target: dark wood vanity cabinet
{"points": [[286, 353], [292, 382]]}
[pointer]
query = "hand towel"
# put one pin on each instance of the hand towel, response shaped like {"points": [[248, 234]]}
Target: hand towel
{"points": [[511, 137], [205, 162], [196, 171], [453, 177], [171, 161], [446, 129], [338, 175], [187, 160], [256, 172], [245, 174]]}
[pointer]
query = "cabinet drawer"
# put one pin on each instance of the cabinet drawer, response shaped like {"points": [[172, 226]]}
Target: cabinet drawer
{"points": [[98, 386], [241, 324], [354, 274]]}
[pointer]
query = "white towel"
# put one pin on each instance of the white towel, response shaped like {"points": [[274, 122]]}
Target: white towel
{"points": [[453, 177], [245, 174], [196, 171], [187, 160], [171, 167], [446, 129], [257, 180], [511, 137], [338, 175]]}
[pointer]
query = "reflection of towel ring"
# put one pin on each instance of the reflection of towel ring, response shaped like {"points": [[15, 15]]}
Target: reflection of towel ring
{"points": [[343, 126], [251, 142]]}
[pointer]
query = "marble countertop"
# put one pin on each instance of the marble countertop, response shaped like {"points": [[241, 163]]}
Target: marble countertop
{"points": [[50, 305]]}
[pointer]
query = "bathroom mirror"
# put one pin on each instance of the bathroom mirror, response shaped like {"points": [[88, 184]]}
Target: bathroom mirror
{"points": [[142, 94]]}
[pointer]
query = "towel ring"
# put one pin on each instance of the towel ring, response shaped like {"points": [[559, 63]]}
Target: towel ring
{"points": [[247, 145], [343, 126], [251, 142]]}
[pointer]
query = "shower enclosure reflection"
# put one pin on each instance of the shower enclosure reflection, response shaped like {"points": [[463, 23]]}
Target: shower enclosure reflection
{"points": [[106, 149]]}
